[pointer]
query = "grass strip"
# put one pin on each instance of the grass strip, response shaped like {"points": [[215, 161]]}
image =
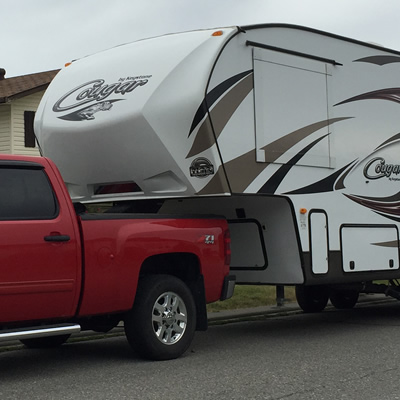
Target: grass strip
{"points": [[247, 296]]}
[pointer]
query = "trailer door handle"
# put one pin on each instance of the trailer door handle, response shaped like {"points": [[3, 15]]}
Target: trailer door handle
{"points": [[57, 238]]}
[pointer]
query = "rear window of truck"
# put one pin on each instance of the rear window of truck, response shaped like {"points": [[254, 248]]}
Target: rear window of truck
{"points": [[26, 194]]}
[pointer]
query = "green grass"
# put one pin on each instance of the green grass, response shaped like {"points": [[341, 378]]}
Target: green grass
{"points": [[247, 296]]}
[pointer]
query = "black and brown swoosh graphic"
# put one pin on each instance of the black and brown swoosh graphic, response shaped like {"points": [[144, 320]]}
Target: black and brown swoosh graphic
{"points": [[380, 59], [386, 207], [331, 183], [392, 243], [229, 95], [390, 140], [389, 205], [390, 94], [242, 170]]}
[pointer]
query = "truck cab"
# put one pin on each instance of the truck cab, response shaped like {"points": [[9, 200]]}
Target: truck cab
{"points": [[40, 245]]}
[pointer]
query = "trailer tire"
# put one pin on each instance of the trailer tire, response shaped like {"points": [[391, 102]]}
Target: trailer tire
{"points": [[162, 322], [312, 299], [46, 342], [344, 299]]}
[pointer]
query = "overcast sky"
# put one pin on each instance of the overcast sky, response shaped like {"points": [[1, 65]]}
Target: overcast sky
{"points": [[41, 35]]}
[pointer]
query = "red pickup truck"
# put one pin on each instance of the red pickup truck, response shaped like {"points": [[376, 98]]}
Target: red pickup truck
{"points": [[63, 270]]}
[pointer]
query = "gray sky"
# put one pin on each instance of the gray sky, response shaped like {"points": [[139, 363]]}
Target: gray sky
{"points": [[40, 35]]}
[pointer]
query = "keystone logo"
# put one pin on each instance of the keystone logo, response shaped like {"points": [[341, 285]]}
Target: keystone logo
{"points": [[201, 168], [377, 169], [97, 91]]}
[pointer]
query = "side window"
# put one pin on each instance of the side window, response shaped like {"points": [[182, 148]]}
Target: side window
{"points": [[26, 194], [29, 135], [288, 85]]}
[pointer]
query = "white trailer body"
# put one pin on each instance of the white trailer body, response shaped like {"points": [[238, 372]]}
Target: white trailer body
{"points": [[293, 134]]}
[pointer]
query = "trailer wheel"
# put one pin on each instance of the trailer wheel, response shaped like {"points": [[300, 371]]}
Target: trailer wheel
{"points": [[312, 299], [45, 342], [344, 299], [162, 322]]}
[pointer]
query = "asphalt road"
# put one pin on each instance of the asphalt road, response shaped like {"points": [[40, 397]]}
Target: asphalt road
{"points": [[332, 355]]}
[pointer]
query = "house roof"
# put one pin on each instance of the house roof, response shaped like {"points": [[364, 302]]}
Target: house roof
{"points": [[20, 86]]}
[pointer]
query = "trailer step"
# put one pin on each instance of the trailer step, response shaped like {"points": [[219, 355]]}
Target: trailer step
{"points": [[39, 331]]}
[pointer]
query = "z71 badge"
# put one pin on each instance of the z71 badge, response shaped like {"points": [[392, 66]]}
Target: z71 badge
{"points": [[209, 239]]}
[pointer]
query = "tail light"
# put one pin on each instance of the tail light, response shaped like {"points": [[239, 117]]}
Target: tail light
{"points": [[227, 247]]}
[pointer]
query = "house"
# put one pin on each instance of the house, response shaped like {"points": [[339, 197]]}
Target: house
{"points": [[19, 100]]}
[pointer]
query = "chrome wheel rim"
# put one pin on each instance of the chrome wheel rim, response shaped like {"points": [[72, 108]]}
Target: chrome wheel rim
{"points": [[169, 318]]}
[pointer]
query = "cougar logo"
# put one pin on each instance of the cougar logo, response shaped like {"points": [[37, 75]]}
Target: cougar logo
{"points": [[96, 91], [377, 168], [87, 113]]}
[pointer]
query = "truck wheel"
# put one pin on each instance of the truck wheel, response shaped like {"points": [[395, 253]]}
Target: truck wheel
{"points": [[45, 342], [312, 299], [162, 322], [344, 299]]}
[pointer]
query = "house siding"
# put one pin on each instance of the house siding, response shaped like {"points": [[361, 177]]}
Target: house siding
{"points": [[19, 106], [5, 128]]}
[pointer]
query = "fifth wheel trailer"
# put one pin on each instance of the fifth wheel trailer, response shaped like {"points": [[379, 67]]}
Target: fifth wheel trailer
{"points": [[290, 133]]}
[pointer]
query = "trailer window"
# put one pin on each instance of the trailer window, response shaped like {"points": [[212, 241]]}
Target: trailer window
{"points": [[292, 109], [26, 194]]}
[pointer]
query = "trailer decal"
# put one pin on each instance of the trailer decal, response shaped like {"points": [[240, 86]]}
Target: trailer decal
{"points": [[391, 94], [276, 179], [377, 169], [376, 166], [201, 168], [214, 95], [393, 243], [379, 60], [390, 140], [245, 169], [217, 184], [86, 113], [221, 113], [391, 207], [388, 216], [331, 183], [340, 182], [95, 91]]}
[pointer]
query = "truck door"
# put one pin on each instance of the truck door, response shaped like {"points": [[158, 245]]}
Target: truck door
{"points": [[39, 251]]}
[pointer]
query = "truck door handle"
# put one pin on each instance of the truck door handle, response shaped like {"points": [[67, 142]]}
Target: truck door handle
{"points": [[57, 238]]}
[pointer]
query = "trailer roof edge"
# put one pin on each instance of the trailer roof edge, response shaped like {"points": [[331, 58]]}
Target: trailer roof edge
{"points": [[317, 31]]}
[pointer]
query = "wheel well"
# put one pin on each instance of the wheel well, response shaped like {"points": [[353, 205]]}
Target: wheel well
{"points": [[186, 267], [182, 265]]}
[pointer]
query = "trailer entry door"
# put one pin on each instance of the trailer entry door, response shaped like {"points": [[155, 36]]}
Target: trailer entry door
{"points": [[319, 242]]}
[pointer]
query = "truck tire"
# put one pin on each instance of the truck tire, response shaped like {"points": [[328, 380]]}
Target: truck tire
{"points": [[45, 342], [344, 299], [162, 322], [312, 299]]}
